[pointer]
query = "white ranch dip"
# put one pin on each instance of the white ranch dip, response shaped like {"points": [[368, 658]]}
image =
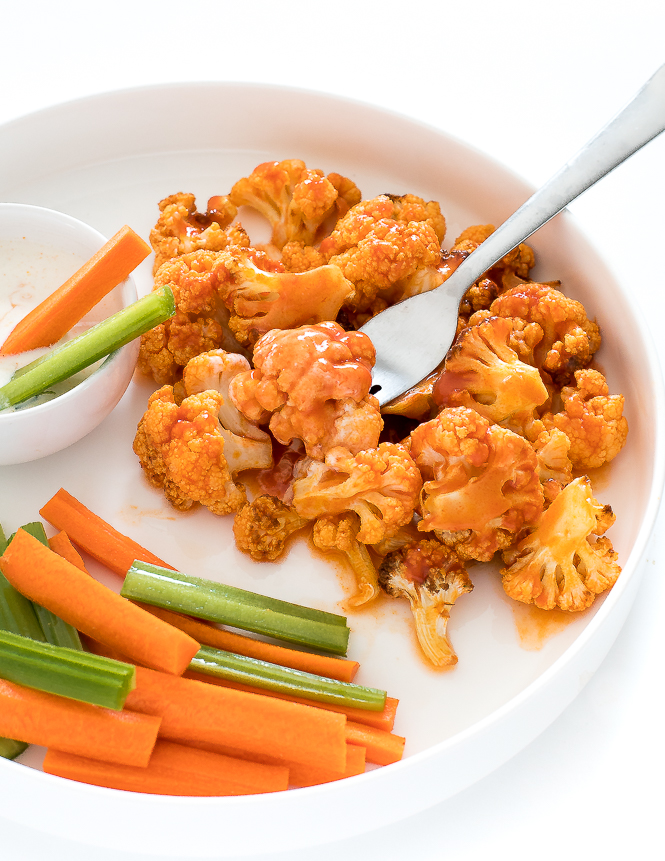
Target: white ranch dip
{"points": [[29, 272]]}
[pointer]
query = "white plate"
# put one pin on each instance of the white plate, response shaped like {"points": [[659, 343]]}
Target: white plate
{"points": [[108, 160]]}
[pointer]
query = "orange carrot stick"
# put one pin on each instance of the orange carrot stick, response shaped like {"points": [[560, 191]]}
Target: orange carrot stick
{"points": [[383, 720], [381, 747], [93, 535], [56, 315], [304, 775], [195, 711], [299, 774], [36, 717], [173, 770], [60, 544], [208, 635], [94, 609]]}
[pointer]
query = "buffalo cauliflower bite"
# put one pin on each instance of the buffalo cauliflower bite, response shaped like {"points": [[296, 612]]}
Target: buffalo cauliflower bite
{"points": [[559, 564], [517, 263], [339, 534], [362, 218], [393, 261], [432, 577], [260, 301], [181, 228], [297, 202], [312, 383], [262, 527], [195, 449], [481, 482], [200, 323], [592, 419], [483, 370], [381, 485], [570, 339]]}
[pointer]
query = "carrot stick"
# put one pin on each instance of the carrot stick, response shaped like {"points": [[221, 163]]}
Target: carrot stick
{"points": [[93, 535], [174, 769], [383, 720], [381, 747], [303, 775], [60, 311], [37, 717], [60, 544], [299, 774], [209, 635], [193, 710], [48, 579]]}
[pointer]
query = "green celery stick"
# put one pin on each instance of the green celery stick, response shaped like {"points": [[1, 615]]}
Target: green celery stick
{"points": [[66, 672], [272, 677], [10, 749], [17, 613], [216, 602], [99, 341], [56, 631]]}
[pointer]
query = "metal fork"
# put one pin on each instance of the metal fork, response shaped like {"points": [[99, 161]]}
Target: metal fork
{"points": [[412, 337]]}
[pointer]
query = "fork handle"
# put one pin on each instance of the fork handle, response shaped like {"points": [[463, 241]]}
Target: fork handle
{"points": [[641, 120]]}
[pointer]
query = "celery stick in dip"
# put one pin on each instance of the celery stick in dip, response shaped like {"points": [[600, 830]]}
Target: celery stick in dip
{"points": [[29, 272]]}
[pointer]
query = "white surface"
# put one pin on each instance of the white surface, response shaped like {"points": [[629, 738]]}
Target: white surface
{"points": [[528, 89]]}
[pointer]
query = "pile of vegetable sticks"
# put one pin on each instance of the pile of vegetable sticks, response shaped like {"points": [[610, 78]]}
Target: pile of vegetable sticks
{"points": [[150, 699]]}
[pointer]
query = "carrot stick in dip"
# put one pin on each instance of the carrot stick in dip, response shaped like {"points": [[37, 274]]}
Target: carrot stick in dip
{"points": [[174, 769], [94, 609], [59, 312], [94, 535], [37, 717]]}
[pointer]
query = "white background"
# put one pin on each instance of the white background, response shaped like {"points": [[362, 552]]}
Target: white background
{"points": [[527, 83]]}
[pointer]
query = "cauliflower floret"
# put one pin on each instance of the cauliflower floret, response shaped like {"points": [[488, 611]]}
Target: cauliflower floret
{"points": [[298, 257], [570, 338], [188, 449], [481, 484], [483, 371], [199, 281], [381, 485], [517, 262], [393, 261], [361, 219], [260, 301], [339, 533], [432, 577], [298, 202], [262, 527], [558, 565], [312, 384], [592, 419], [180, 228]]}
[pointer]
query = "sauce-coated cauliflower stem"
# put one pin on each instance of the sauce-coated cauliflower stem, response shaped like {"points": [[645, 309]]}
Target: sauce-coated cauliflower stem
{"points": [[432, 577], [262, 368]]}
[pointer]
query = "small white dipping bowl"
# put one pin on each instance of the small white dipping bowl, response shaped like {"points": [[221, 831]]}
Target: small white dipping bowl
{"points": [[35, 432]]}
